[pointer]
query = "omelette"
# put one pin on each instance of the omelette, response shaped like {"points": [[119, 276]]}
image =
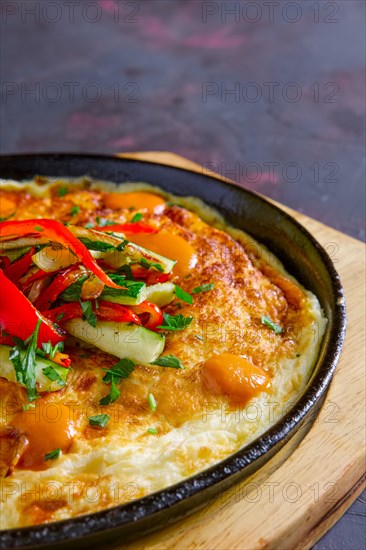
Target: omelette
{"points": [[143, 340]]}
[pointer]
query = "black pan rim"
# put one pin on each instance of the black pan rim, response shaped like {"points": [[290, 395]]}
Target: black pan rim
{"points": [[150, 505]]}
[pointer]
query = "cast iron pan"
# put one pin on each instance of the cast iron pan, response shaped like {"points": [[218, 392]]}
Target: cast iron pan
{"points": [[302, 256]]}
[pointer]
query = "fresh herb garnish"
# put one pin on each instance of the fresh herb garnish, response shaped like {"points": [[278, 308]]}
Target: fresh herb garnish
{"points": [[126, 269], [60, 316], [271, 324], [53, 454], [50, 350], [122, 245], [137, 217], [152, 402], [99, 420], [74, 210], [29, 406], [175, 322], [132, 288], [150, 265], [99, 246], [103, 222], [73, 292], [54, 376], [112, 396], [25, 365], [203, 288], [89, 314], [152, 431], [168, 361], [120, 370], [5, 218], [182, 295], [38, 228], [62, 191]]}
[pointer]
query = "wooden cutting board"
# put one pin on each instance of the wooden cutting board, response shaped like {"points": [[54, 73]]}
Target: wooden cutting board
{"points": [[293, 507]]}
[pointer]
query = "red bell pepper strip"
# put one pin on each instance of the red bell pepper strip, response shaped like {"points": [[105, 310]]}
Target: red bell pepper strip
{"points": [[57, 232], [61, 359], [151, 314], [106, 311], [151, 277], [18, 268], [4, 262], [59, 284], [18, 317], [137, 227], [27, 282]]}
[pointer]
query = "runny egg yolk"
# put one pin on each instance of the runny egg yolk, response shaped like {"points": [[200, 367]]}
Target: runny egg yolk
{"points": [[234, 376], [169, 245], [47, 427], [149, 202]]}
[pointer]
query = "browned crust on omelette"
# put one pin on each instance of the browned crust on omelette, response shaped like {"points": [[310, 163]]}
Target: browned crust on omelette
{"points": [[228, 319]]}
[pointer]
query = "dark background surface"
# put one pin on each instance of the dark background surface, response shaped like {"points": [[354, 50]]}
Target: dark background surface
{"points": [[271, 94]]}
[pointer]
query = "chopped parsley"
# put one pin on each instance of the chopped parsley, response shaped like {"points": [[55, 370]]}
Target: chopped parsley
{"points": [[150, 265], [38, 228], [168, 361], [99, 246], [29, 406], [103, 222], [73, 292], [182, 295], [120, 370], [133, 288], [5, 218], [62, 191], [54, 376], [60, 316], [99, 420], [152, 431], [203, 288], [50, 350], [53, 454], [25, 363], [114, 375], [175, 322], [152, 402], [112, 396], [122, 245], [126, 269], [89, 314], [74, 210], [271, 324], [137, 217]]}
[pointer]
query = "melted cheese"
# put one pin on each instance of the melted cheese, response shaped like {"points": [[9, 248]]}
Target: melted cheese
{"points": [[240, 376]]}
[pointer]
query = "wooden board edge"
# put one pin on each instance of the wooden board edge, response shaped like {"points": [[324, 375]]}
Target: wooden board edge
{"points": [[351, 483], [331, 517]]}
